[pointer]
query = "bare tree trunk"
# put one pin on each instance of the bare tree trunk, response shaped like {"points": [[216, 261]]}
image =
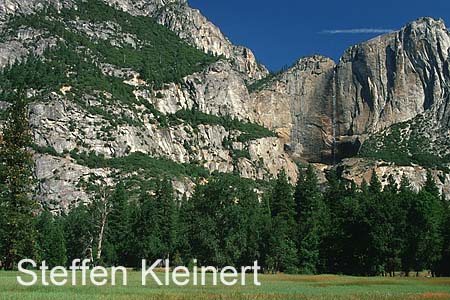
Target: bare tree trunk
{"points": [[103, 217]]}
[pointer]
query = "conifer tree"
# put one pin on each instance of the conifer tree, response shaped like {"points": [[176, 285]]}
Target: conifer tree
{"points": [[167, 216], [79, 232], [311, 220], [118, 228], [443, 266], [50, 240], [283, 252], [431, 239], [430, 185], [17, 206]]}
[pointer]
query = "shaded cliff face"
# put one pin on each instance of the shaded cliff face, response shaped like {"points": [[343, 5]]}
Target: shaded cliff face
{"points": [[387, 80], [299, 105]]}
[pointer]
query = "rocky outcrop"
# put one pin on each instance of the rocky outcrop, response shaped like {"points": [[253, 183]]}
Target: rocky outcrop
{"points": [[187, 22], [299, 105], [359, 170], [219, 90], [197, 30], [328, 110], [11, 7], [321, 111], [394, 77]]}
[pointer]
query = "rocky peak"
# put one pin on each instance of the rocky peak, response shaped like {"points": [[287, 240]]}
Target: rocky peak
{"points": [[313, 62], [394, 77], [197, 30], [187, 22], [425, 24], [389, 79]]}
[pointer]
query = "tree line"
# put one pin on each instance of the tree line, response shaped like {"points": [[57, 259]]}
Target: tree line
{"points": [[342, 229]]}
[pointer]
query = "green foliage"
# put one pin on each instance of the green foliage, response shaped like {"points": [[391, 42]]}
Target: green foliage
{"points": [[45, 150], [358, 231], [17, 233], [442, 267], [161, 56], [51, 244], [223, 222], [250, 131], [137, 161], [79, 233], [283, 253], [236, 154], [118, 223], [407, 143], [67, 66], [263, 82], [376, 231], [312, 220], [153, 230]]}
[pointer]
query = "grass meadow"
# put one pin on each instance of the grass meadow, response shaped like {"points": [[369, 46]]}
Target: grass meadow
{"points": [[326, 287]]}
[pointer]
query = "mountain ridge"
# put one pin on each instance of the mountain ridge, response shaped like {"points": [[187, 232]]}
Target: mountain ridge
{"points": [[107, 110]]}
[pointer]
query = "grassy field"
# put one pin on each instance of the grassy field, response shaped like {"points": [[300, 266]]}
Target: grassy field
{"points": [[273, 287]]}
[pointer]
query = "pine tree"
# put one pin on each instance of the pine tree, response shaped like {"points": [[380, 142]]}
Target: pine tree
{"points": [[282, 203], [311, 220], [443, 265], [396, 214], [146, 239], [283, 252], [50, 240], [430, 185], [79, 232], [378, 222], [17, 207], [118, 228], [431, 244], [422, 237], [375, 184], [167, 216]]}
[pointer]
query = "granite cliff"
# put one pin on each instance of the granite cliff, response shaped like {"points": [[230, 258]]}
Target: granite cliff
{"points": [[101, 114]]}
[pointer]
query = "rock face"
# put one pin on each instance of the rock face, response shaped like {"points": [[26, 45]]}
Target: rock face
{"points": [[394, 77], [11, 7], [193, 27], [299, 105], [320, 110], [219, 90], [187, 22], [358, 170], [62, 126], [197, 30], [387, 80]]}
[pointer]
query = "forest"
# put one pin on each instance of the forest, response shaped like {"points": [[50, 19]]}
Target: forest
{"points": [[343, 228]]}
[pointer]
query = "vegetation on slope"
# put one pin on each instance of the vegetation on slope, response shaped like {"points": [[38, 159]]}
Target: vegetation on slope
{"points": [[159, 56], [250, 131], [412, 142], [137, 161], [345, 229]]}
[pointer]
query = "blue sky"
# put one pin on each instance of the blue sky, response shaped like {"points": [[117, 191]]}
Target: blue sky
{"points": [[281, 31]]}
